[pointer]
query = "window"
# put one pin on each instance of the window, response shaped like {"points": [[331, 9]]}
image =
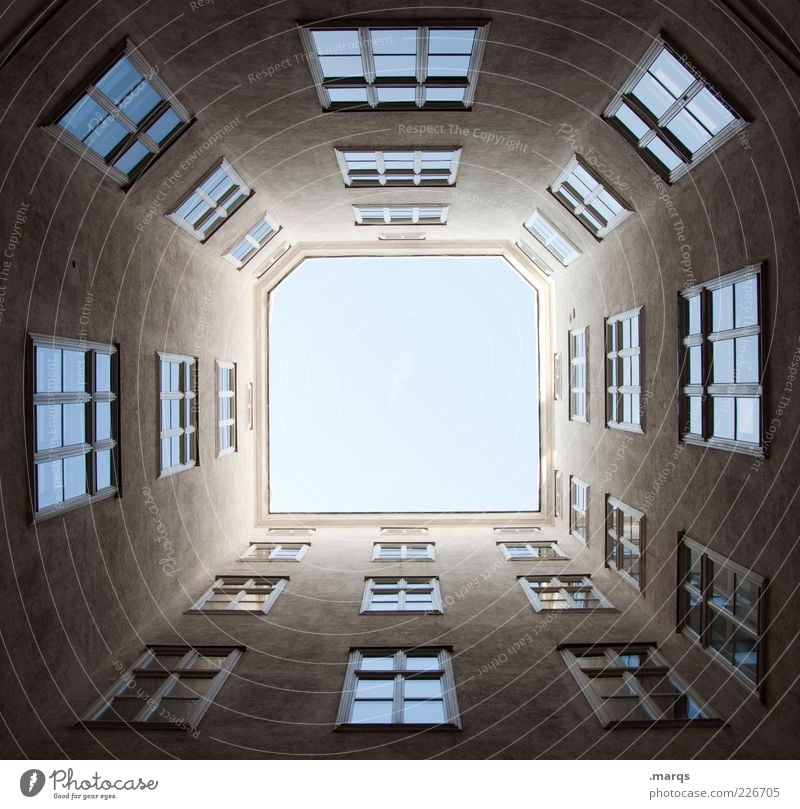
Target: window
{"points": [[721, 607], [168, 687], [403, 552], [75, 423], [579, 509], [563, 592], [245, 248], [271, 552], [241, 594], [624, 371], [219, 194], [226, 408], [558, 494], [517, 530], [292, 532], [523, 551], [178, 418], [721, 363], [403, 215], [397, 531], [594, 204], [395, 65], [631, 685], [578, 374], [670, 113], [551, 238], [625, 541], [402, 595], [398, 167], [405, 687], [124, 118]]}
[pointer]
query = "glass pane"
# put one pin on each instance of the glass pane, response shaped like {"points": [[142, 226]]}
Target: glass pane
{"points": [[746, 303], [695, 373], [103, 469], [748, 414], [396, 94], [204, 661], [693, 310], [695, 425], [399, 40], [653, 95], [374, 689], [74, 430], [125, 86], [48, 370], [121, 709], [694, 613], [631, 121], [709, 111], [74, 476], [164, 126], [722, 364], [74, 371], [102, 372], [371, 711], [338, 42], [374, 663], [395, 65], [48, 427], [341, 66], [659, 148], [453, 40], [747, 359], [736, 646], [417, 688], [423, 712], [192, 687], [671, 73], [131, 158], [422, 663], [722, 308], [173, 710], [93, 126], [626, 709], [723, 416], [102, 420], [49, 484], [454, 66], [688, 131]]}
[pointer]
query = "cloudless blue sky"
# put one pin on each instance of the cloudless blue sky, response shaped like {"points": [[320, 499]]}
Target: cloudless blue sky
{"points": [[403, 384]]}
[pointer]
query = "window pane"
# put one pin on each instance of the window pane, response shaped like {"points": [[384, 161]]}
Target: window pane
{"points": [[395, 65], [400, 40], [74, 476], [723, 361], [747, 359], [658, 148], [722, 308], [102, 371], [49, 484], [695, 375], [748, 413], [102, 421], [74, 424], [396, 94], [374, 663], [48, 370], [456, 66], [746, 303], [74, 371], [163, 126], [372, 711], [95, 127], [341, 66], [708, 110], [687, 129], [103, 466], [443, 40], [723, 408], [48, 427], [693, 309], [173, 710], [337, 42], [631, 121], [653, 95], [374, 689], [423, 712], [671, 73], [422, 663]]}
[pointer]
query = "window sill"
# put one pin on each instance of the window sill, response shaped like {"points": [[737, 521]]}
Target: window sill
{"points": [[348, 727]]}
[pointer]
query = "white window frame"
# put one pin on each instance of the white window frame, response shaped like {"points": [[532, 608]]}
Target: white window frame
{"points": [[255, 245], [402, 586], [617, 541], [575, 512], [384, 174], [579, 394], [377, 550], [389, 219], [556, 583], [250, 555], [187, 396], [371, 83], [136, 131], [232, 422], [616, 667], [548, 235], [532, 548], [706, 389], [399, 673], [615, 360], [657, 126], [240, 586], [561, 186], [711, 609], [214, 207], [403, 531], [150, 707], [91, 445]]}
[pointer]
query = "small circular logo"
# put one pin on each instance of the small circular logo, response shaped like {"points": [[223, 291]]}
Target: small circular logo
{"points": [[31, 783]]}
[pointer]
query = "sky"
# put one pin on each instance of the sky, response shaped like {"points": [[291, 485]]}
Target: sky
{"points": [[403, 384]]}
